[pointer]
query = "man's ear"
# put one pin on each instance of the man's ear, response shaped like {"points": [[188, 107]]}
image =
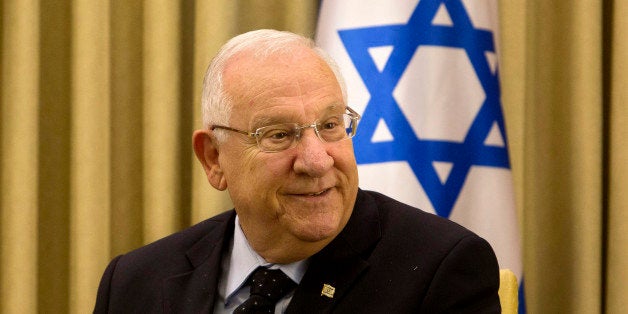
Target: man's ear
{"points": [[206, 150]]}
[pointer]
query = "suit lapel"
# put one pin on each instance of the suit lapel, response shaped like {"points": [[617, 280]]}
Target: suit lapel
{"points": [[194, 291], [334, 269]]}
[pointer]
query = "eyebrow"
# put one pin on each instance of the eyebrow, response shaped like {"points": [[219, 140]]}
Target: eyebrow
{"points": [[262, 121], [270, 120]]}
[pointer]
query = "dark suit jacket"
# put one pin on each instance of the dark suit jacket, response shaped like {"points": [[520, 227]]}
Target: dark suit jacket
{"points": [[390, 258]]}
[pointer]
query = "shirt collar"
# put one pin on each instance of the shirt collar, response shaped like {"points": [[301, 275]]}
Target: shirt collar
{"points": [[244, 260]]}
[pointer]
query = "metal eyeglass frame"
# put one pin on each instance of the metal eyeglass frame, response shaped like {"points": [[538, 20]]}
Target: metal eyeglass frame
{"points": [[354, 116]]}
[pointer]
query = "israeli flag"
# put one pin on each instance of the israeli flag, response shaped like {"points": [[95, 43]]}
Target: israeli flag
{"points": [[425, 77]]}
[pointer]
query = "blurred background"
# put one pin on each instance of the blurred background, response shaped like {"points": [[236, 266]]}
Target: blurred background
{"points": [[99, 100]]}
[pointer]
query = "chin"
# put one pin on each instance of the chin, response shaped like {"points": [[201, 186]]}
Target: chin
{"points": [[313, 231], [312, 236]]}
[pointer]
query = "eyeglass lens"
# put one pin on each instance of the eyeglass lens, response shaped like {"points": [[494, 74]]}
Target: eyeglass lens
{"points": [[283, 136]]}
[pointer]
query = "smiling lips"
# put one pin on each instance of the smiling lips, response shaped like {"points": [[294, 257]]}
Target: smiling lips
{"points": [[319, 193], [312, 194]]}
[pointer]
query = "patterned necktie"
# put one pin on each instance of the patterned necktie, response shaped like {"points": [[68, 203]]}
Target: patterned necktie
{"points": [[267, 287]]}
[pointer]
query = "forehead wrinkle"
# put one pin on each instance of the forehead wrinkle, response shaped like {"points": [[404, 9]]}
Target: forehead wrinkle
{"points": [[299, 91]]}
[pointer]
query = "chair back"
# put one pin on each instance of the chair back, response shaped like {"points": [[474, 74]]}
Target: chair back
{"points": [[508, 291]]}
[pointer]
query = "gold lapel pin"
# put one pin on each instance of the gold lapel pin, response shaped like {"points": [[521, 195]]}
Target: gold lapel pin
{"points": [[328, 291]]}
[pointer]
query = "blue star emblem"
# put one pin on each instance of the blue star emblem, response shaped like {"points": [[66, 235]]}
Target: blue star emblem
{"points": [[405, 145]]}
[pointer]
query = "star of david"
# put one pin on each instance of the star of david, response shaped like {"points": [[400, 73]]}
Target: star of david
{"points": [[420, 153]]}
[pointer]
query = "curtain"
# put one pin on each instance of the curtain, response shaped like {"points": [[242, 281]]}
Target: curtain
{"points": [[564, 83], [99, 100]]}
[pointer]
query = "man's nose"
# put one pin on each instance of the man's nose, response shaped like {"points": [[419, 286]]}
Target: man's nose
{"points": [[312, 157]]}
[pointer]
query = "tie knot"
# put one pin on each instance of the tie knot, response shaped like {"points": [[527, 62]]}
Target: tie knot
{"points": [[270, 283], [267, 287]]}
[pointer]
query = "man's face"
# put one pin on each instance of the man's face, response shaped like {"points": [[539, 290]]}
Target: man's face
{"points": [[305, 193]]}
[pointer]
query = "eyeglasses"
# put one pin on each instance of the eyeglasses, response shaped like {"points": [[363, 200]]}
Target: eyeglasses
{"points": [[279, 137]]}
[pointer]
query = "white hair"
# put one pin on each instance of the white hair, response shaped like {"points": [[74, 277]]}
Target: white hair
{"points": [[216, 103]]}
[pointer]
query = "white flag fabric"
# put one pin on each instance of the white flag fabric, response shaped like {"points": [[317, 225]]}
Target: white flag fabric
{"points": [[425, 77]]}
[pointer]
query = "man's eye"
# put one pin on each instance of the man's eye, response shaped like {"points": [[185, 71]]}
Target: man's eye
{"points": [[330, 125], [277, 135]]}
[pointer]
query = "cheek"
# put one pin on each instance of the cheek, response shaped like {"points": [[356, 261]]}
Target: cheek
{"points": [[263, 174], [240, 169], [273, 166], [344, 160]]}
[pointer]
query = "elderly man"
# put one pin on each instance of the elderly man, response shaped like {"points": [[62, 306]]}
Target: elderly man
{"points": [[302, 238]]}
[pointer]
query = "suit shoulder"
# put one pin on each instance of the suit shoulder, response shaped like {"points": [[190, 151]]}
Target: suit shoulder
{"points": [[172, 249], [395, 215], [408, 225]]}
